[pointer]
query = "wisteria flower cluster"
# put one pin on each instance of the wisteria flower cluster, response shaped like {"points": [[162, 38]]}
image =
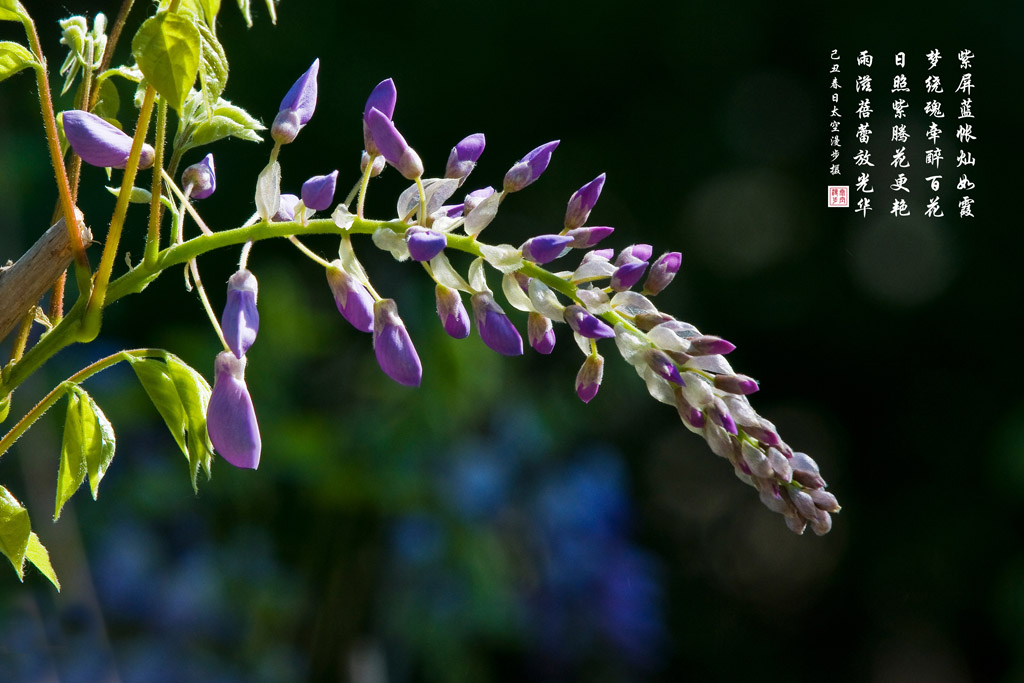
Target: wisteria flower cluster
{"points": [[602, 295]]}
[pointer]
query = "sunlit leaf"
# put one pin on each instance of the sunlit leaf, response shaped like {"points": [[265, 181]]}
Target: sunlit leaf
{"points": [[79, 435], [161, 391], [138, 195], [15, 529], [13, 58], [109, 100], [9, 11], [194, 392], [98, 459], [167, 49], [213, 68], [37, 554]]}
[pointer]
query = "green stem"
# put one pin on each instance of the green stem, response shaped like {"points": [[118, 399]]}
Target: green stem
{"points": [[58, 391], [155, 207]]}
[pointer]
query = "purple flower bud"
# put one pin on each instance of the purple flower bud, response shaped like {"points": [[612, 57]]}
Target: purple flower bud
{"points": [[424, 244], [99, 143], [297, 107], [662, 272], [240, 320], [582, 202], [588, 379], [351, 297], [495, 328], [640, 252], [540, 333], [604, 254], [529, 168], [627, 275], [584, 323], [660, 362], [474, 198], [584, 238], [464, 156], [719, 412], [805, 471], [383, 99], [544, 248], [378, 164], [395, 353], [736, 384], [230, 417], [286, 209], [393, 146], [201, 177], [318, 191], [452, 312], [706, 345]]}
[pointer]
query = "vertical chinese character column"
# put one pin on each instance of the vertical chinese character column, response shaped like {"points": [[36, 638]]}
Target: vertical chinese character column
{"points": [[862, 84], [965, 133], [900, 136], [834, 116], [933, 109]]}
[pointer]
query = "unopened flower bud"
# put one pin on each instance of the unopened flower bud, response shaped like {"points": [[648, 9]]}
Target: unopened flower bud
{"points": [[100, 143], [706, 345], [640, 252], [582, 203], [424, 244], [201, 177], [495, 329], [662, 272], [719, 412], [240, 320], [353, 300], [736, 384], [464, 156], [378, 164], [529, 168], [584, 238], [393, 146], [230, 417], [627, 275], [318, 191], [544, 248], [474, 198], [286, 209], [586, 324], [824, 500], [588, 379], [383, 98], [395, 353], [540, 332], [297, 107], [805, 471], [452, 312], [780, 464], [660, 362]]}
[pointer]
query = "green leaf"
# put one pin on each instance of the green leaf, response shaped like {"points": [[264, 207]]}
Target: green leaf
{"points": [[83, 441], [15, 529], [98, 459], [10, 11], [204, 9], [109, 100], [273, 11], [213, 68], [167, 49], [138, 195], [246, 12], [194, 392], [36, 554], [13, 58], [161, 391], [228, 120]]}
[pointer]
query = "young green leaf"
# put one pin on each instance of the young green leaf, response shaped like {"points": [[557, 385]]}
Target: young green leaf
{"points": [[246, 12], [10, 10], [15, 529], [98, 459], [88, 447], [213, 68], [138, 195], [37, 554], [13, 58], [167, 49], [109, 100], [160, 388], [194, 392]]}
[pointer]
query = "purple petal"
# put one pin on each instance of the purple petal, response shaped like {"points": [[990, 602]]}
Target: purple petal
{"points": [[627, 275], [100, 143], [736, 384], [202, 177], [391, 342], [588, 379], [318, 191], [544, 248], [424, 244], [660, 362], [586, 324], [464, 156], [582, 203], [351, 297], [286, 209], [230, 417], [530, 167], [496, 330], [393, 146], [662, 272], [640, 252], [240, 320], [707, 345], [383, 98], [584, 238], [301, 98], [541, 333], [452, 312]]}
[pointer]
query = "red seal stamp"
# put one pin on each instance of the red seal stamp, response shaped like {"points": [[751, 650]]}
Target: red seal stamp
{"points": [[838, 196]]}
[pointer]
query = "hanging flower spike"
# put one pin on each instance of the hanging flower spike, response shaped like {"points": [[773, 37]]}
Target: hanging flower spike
{"points": [[586, 324], [318, 191], [582, 203], [99, 143], [383, 99], [395, 353], [540, 332], [202, 177], [392, 146], [496, 330], [351, 297], [663, 271], [544, 248], [452, 312], [286, 209], [529, 168], [240, 320], [424, 244], [588, 379], [230, 416], [464, 156], [297, 107]]}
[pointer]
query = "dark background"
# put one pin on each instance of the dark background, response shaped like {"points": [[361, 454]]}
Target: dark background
{"points": [[489, 526]]}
